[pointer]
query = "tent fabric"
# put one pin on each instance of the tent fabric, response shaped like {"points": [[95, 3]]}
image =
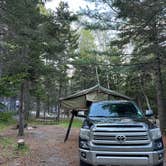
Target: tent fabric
{"points": [[78, 101]]}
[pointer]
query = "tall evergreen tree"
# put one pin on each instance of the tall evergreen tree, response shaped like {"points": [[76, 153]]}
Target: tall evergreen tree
{"points": [[84, 74], [38, 46], [61, 44], [21, 19], [143, 24]]}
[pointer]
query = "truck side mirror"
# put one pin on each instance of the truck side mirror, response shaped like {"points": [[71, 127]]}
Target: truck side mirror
{"points": [[81, 114], [149, 113]]}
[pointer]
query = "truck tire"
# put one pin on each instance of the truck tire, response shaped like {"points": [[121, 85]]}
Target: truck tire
{"points": [[82, 163], [161, 164]]}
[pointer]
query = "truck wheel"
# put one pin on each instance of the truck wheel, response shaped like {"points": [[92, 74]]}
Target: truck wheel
{"points": [[161, 164], [82, 163]]}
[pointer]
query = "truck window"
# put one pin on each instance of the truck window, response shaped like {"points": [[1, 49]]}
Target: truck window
{"points": [[108, 109]]}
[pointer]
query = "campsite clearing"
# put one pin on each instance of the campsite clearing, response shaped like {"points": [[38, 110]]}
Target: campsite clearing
{"points": [[46, 147]]}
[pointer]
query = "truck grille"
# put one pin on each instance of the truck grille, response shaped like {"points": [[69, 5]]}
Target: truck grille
{"points": [[120, 135]]}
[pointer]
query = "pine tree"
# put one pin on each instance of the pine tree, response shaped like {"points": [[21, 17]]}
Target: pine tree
{"points": [[145, 26], [62, 42], [141, 23], [21, 19]]}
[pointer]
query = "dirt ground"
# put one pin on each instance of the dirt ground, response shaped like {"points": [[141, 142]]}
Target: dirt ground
{"points": [[47, 147]]}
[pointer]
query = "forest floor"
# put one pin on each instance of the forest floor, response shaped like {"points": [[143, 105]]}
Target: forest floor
{"points": [[45, 147]]}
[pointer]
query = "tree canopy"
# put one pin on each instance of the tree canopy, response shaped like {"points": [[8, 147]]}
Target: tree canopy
{"points": [[45, 54]]}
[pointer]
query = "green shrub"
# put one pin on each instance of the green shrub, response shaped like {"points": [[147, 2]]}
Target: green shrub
{"points": [[5, 117], [6, 120]]}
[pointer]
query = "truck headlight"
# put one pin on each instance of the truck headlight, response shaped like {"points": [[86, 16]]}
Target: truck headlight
{"points": [[84, 144], [85, 134], [84, 138], [158, 144], [155, 133]]}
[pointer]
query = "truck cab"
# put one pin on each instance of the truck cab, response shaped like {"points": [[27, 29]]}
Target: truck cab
{"points": [[117, 133]]}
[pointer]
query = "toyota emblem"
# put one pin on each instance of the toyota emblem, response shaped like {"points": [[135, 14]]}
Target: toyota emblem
{"points": [[120, 138]]}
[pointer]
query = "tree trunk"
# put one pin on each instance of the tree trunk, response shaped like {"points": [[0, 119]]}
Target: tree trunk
{"points": [[108, 82], [60, 93], [138, 99], [21, 112], [160, 96], [48, 103], [146, 97], [27, 99], [159, 84], [58, 112], [38, 108]]}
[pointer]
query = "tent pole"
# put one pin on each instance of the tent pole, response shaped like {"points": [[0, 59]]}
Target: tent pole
{"points": [[69, 127]]}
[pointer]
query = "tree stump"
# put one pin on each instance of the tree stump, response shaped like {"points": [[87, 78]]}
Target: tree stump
{"points": [[21, 143]]}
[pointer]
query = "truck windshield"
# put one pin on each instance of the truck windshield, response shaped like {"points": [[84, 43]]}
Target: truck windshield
{"points": [[115, 110]]}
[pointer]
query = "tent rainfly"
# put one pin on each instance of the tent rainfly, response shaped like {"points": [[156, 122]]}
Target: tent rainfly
{"points": [[78, 101]]}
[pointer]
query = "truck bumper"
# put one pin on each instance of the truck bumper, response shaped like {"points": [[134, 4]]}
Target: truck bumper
{"points": [[122, 158]]}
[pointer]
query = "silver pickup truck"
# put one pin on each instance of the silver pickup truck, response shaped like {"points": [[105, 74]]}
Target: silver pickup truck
{"points": [[117, 133]]}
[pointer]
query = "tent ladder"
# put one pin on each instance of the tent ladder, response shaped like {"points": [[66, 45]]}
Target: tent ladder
{"points": [[69, 127]]}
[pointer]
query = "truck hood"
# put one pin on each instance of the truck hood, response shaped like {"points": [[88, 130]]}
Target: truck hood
{"points": [[120, 121]]}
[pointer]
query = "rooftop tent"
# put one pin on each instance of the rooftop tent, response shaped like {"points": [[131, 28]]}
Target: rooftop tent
{"points": [[78, 101]]}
